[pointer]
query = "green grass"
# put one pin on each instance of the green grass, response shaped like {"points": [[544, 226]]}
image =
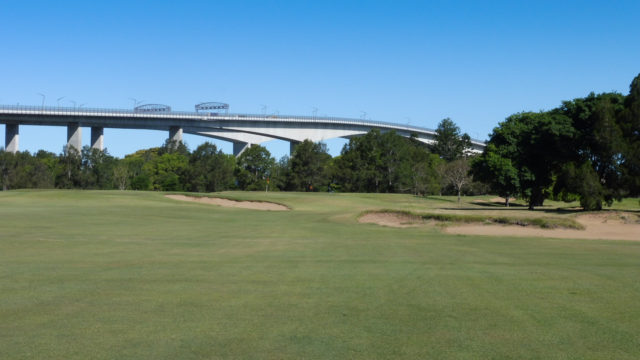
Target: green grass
{"points": [[134, 275]]}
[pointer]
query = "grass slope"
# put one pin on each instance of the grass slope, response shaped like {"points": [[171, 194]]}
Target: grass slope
{"points": [[133, 275]]}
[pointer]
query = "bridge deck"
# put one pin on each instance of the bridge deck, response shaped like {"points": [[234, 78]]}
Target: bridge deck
{"points": [[256, 127]]}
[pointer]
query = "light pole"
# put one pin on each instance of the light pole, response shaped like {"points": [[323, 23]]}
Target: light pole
{"points": [[58, 100], [135, 102], [315, 112], [264, 109], [43, 97]]}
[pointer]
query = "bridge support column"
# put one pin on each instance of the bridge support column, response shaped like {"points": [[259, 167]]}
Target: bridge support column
{"points": [[175, 135], [239, 147], [12, 133], [74, 136], [292, 147], [97, 137]]}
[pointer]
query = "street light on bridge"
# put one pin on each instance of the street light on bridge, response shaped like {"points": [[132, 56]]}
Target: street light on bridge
{"points": [[136, 102], [43, 97]]}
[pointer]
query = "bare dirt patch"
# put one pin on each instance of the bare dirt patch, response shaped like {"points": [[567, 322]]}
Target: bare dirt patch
{"points": [[501, 200], [391, 219], [616, 226], [254, 205]]}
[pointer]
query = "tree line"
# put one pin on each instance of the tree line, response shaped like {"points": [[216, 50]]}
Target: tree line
{"points": [[375, 162], [587, 149]]}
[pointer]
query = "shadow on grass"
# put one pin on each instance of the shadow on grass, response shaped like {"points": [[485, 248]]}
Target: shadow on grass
{"points": [[523, 208], [542, 209]]}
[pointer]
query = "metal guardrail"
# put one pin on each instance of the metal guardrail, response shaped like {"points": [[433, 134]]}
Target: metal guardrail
{"points": [[186, 115]]}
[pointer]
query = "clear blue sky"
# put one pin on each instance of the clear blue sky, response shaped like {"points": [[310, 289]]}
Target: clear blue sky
{"points": [[413, 62]]}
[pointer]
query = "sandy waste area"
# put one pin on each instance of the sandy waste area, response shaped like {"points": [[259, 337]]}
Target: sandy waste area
{"points": [[254, 205], [608, 226], [391, 219]]}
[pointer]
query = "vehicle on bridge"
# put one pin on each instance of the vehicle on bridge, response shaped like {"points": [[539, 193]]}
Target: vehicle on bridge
{"points": [[152, 108]]}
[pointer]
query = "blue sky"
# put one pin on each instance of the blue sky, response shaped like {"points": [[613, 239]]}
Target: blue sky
{"points": [[413, 62]]}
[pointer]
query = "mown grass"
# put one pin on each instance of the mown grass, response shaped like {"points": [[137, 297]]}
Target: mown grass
{"points": [[134, 275]]}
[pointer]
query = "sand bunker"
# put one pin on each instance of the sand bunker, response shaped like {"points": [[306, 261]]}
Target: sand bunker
{"points": [[607, 226], [391, 219], [501, 200], [597, 226], [255, 205]]}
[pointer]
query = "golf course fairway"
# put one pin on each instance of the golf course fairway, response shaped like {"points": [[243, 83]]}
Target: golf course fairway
{"points": [[137, 275]]}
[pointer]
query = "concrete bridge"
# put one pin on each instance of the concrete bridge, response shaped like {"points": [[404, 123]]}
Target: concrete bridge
{"points": [[240, 129]]}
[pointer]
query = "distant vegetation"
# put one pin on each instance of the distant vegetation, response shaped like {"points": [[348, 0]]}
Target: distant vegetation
{"points": [[588, 149], [375, 162]]}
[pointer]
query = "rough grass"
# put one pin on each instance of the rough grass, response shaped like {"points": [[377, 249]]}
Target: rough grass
{"points": [[132, 275]]}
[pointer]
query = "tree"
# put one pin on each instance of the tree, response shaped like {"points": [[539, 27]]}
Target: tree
{"points": [[630, 126], [424, 176], [168, 171], [253, 168], [307, 167], [133, 167], [69, 170], [210, 169], [449, 143], [583, 181], [7, 165], [121, 175], [456, 173], [599, 143], [536, 145], [496, 171], [358, 164], [97, 168], [384, 162]]}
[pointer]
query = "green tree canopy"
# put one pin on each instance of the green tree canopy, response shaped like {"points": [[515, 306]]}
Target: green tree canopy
{"points": [[254, 168], [497, 171], [536, 145], [210, 169], [384, 162], [598, 144], [307, 167], [450, 144], [630, 126]]}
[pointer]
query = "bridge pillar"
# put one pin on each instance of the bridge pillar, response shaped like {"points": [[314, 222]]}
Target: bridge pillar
{"points": [[97, 137], [175, 134], [239, 147], [292, 147], [74, 136], [12, 133]]}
